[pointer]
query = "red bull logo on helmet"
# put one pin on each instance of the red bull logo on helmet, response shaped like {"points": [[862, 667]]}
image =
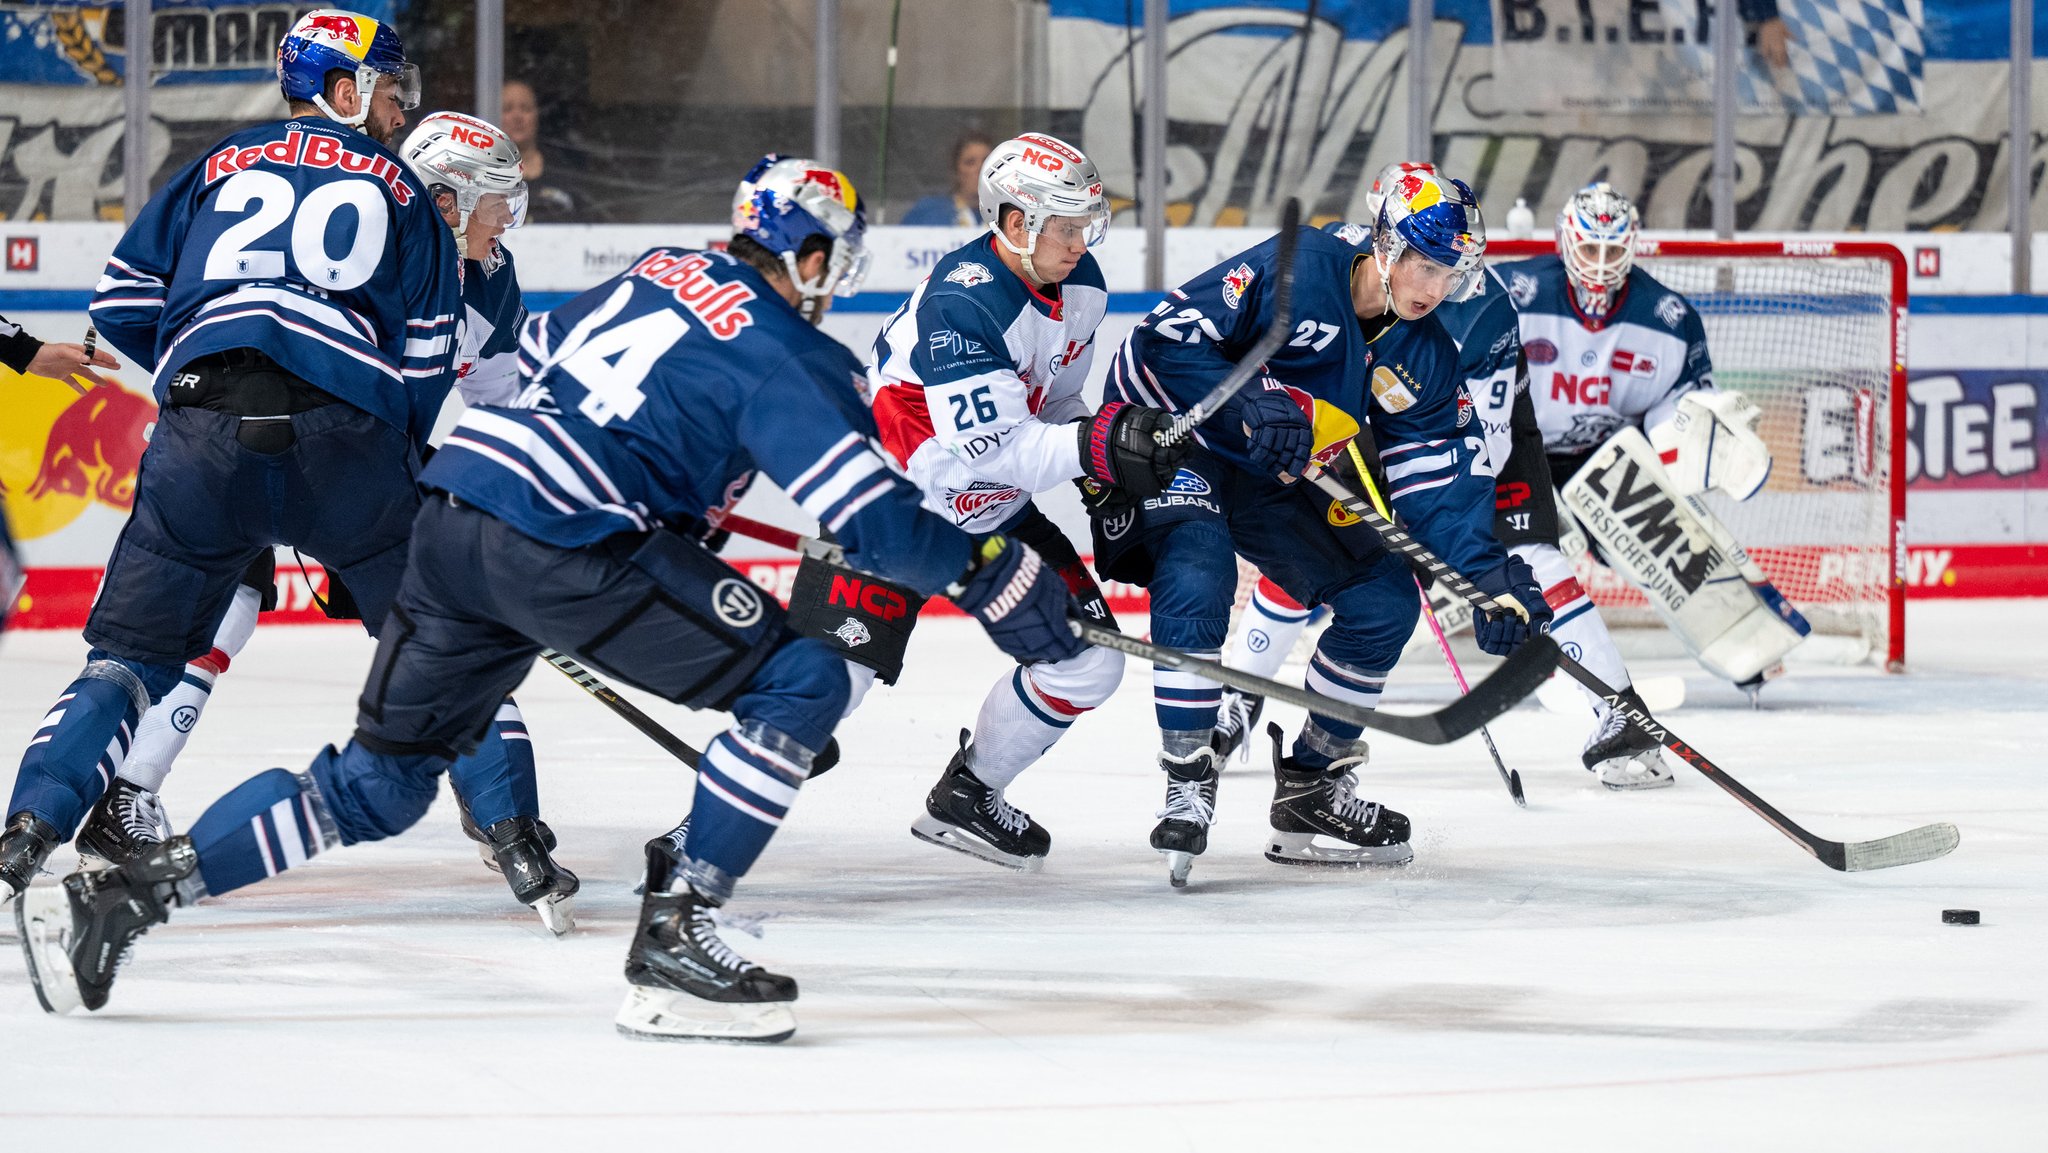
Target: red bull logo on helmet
{"points": [[831, 181], [344, 32], [335, 26]]}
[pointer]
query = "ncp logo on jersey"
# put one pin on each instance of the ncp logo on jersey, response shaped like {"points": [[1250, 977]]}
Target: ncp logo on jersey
{"points": [[737, 603]]}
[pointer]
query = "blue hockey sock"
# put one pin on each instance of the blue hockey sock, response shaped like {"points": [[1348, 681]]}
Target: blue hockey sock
{"points": [[497, 781], [263, 826], [77, 749], [1324, 739], [748, 780]]}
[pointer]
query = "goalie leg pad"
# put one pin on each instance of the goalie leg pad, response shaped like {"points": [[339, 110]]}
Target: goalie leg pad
{"points": [[1669, 547]]}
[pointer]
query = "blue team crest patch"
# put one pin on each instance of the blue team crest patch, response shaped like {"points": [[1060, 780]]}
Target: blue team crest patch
{"points": [[1464, 410], [968, 275], [1236, 283], [1540, 351], [1189, 484], [1671, 310]]}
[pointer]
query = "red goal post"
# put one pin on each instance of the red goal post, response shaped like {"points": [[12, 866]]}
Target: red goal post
{"points": [[1813, 331]]}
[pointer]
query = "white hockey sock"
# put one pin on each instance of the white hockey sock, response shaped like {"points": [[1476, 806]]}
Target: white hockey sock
{"points": [[168, 724], [1018, 723], [1271, 626], [1575, 623]]}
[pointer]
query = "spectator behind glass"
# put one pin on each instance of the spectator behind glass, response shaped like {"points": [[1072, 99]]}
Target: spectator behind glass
{"points": [[962, 206], [519, 116]]}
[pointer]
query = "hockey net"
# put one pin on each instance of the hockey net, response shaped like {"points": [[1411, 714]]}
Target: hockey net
{"points": [[1812, 332]]}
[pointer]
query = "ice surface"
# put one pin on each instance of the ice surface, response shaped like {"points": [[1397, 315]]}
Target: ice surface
{"points": [[1600, 971]]}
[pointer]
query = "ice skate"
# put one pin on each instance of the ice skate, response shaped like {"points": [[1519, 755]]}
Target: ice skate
{"points": [[687, 984], [483, 844], [1183, 830], [1236, 721], [967, 816], [1624, 757], [75, 934], [1310, 803], [126, 822], [519, 847], [24, 846]]}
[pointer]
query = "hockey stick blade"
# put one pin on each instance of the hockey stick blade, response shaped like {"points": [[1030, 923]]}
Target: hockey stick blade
{"points": [[1269, 341], [1490, 698]]}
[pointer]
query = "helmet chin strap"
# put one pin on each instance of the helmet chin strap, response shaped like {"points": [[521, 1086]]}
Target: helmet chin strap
{"points": [[808, 292], [1385, 269], [1024, 256], [365, 86]]}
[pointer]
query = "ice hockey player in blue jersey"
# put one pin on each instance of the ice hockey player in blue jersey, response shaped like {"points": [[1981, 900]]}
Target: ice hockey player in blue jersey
{"points": [[574, 519], [471, 169], [977, 383], [1363, 345], [296, 294]]}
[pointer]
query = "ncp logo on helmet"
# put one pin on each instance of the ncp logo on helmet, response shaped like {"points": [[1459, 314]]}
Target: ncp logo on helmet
{"points": [[330, 40], [1596, 237], [1059, 194], [1427, 240], [793, 208], [477, 165]]}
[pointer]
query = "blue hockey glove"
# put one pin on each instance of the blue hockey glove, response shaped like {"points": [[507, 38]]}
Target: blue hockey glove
{"points": [[1019, 599], [1278, 436], [1514, 586]]}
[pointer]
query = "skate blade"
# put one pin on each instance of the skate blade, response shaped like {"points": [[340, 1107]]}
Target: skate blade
{"points": [[1639, 783], [933, 831], [42, 919], [1178, 866], [1303, 849], [666, 1015], [557, 913]]}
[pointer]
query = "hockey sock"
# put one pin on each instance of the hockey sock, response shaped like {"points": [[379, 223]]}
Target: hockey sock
{"points": [[1575, 623], [498, 780], [1324, 739], [747, 781], [271, 822], [1019, 721], [81, 741], [1272, 624], [168, 724], [1186, 702]]}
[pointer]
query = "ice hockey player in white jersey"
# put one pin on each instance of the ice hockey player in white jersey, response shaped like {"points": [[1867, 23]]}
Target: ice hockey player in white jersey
{"points": [[977, 385]]}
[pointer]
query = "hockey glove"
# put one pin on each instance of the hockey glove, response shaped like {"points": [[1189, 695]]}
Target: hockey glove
{"points": [[1118, 448], [1019, 599], [1523, 609], [1278, 436]]}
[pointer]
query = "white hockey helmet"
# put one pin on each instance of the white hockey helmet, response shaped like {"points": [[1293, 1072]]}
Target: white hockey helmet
{"points": [[1434, 215], [474, 160], [1046, 179], [1596, 237], [786, 200]]}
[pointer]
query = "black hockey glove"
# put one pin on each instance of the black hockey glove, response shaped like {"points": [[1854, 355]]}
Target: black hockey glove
{"points": [[1514, 586], [1278, 436], [1019, 599], [1118, 448]]}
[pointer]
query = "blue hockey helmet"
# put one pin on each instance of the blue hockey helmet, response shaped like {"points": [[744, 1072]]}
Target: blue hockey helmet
{"points": [[1437, 217], [785, 201], [331, 39]]}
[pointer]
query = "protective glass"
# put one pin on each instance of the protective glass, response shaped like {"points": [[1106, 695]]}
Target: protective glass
{"points": [[502, 209], [407, 85], [1087, 231], [853, 261]]}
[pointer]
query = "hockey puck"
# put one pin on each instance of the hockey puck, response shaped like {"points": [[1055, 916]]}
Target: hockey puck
{"points": [[1959, 916]]}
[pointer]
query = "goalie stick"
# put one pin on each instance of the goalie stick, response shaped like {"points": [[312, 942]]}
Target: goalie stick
{"points": [[1495, 695], [1269, 342], [1910, 847]]}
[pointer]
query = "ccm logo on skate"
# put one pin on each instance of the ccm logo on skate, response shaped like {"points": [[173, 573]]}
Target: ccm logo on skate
{"points": [[736, 603], [874, 600]]}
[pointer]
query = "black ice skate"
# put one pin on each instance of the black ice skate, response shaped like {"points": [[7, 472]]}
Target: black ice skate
{"points": [[24, 846], [1183, 830], [126, 822], [687, 984], [519, 849], [76, 933], [1236, 721], [483, 844], [1622, 756], [1308, 803], [965, 815]]}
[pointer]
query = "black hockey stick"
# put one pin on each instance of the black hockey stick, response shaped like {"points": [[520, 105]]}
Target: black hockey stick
{"points": [[1910, 847], [588, 682], [1269, 342], [1520, 676]]}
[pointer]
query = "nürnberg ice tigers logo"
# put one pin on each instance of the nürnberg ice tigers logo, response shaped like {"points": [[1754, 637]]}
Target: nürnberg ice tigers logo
{"points": [[1671, 310], [969, 274], [1521, 288], [853, 634]]}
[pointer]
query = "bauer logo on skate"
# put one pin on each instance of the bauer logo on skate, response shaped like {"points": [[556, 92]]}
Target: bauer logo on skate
{"points": [[721, 307], [737, 603], [310, 150]]}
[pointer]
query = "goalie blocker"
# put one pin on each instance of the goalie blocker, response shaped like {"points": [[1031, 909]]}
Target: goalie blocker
{"points": [[1684, 560]]}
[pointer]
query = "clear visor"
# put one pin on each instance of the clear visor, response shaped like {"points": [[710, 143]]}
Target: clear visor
{"points": [[1450, 282], [501, 209], [1071, 231], [406, 85], [853, 261]]}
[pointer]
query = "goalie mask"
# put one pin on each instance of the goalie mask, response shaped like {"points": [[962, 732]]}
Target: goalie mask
{"points": [[1596, 237], [785, 201], [332, 39], [1435, 216], [1053, 185], [473, 160]]}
